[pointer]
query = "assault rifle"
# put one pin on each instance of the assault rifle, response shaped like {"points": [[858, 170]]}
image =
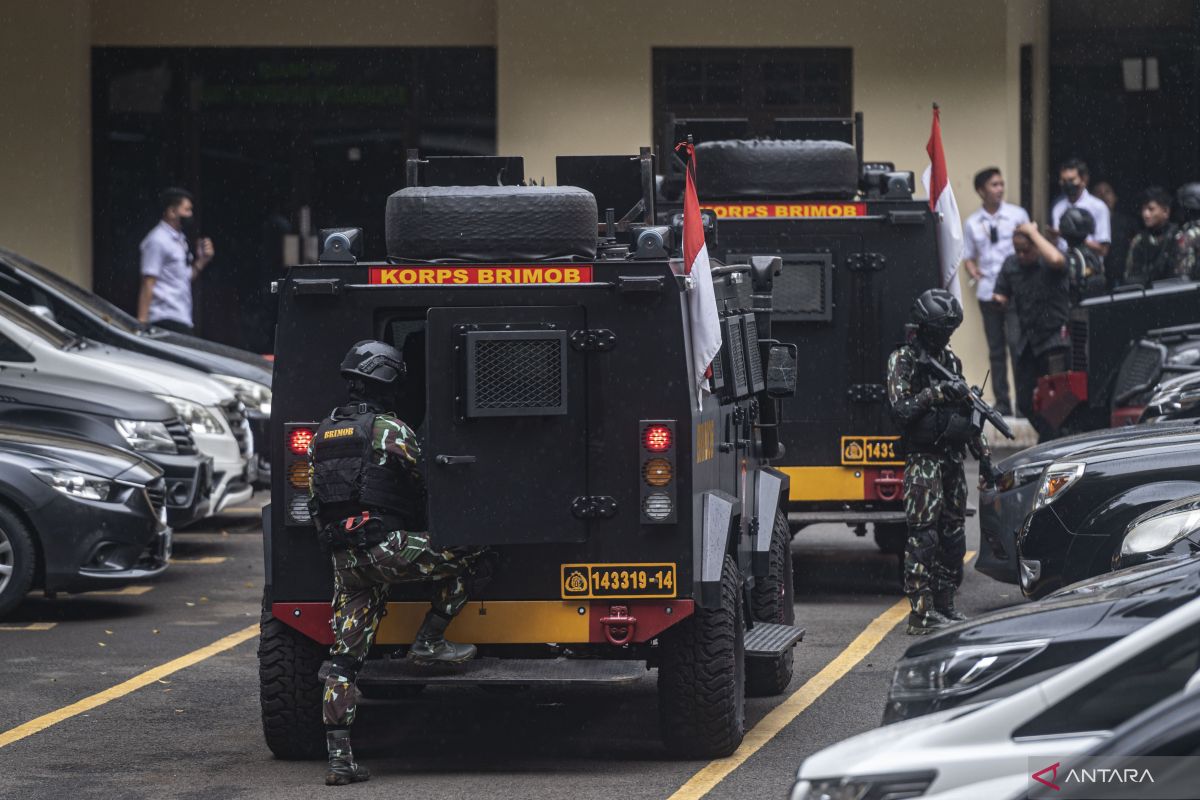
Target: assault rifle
{"points": [[980, 410]]}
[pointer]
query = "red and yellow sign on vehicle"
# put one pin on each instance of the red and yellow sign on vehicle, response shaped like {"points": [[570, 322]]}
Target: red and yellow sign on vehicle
{"points": [[582, 581], [787, 210], [481, 275]]}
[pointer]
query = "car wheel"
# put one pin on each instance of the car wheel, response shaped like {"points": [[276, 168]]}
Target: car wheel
{"points": [[773, 600], [290, 690], [783, 167], [891, 538], [18, 561], [702, 679], [491, 223]]}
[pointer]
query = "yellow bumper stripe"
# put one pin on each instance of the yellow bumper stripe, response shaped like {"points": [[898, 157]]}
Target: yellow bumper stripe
{"points": [[495, 622], [825, 483]]}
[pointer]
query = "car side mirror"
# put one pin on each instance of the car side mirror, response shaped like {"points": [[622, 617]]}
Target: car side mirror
{"points": [[781, 369], [44, 312]]}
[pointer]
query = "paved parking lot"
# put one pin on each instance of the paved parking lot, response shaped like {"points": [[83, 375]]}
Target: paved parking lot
{"points": [[151, 692]]}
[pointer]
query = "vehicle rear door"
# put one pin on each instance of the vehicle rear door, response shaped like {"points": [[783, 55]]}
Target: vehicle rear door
{"points": [[506, 448]]}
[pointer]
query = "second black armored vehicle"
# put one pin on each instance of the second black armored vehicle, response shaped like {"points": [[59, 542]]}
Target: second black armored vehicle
{"points": [[635, 517], [857, 248]]}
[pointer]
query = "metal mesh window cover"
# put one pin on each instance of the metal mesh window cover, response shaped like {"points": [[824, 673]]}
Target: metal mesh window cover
{"points": [[1079, 337], [754, 368], [1140, 370], [734, 349], [803, 291], [516, 373]]}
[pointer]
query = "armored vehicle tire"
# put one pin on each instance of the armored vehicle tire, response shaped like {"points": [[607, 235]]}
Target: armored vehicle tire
{"points": [[776, 168], [891, 537], [701, 677], [491, 223], [290, 691], [18, 560], [773, 600]]}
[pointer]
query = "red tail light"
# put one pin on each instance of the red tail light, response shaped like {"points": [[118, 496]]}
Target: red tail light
{"points": [[657, 438], [299, 440]]}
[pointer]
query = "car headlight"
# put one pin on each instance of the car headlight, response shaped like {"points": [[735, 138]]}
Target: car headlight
{"points": [[1057, 478], [893, 787], [146, 436], [958, 671], [255, 395], [76, 484], [1019, 476], [1158, 533], [194, 415]]}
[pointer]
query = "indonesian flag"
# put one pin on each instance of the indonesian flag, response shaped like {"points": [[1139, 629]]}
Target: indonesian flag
{"points": [[942, 202], [702, 302]]}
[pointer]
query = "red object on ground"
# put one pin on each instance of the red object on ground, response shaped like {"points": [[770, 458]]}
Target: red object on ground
{"points": [[1056, 396]]}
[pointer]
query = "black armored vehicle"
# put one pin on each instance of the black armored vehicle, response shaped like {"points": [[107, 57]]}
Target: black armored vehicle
{"points": [[635, 518], [857, 249]]}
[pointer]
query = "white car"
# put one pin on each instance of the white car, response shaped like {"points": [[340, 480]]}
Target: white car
{"points": [[992, 749], [215, 416]]}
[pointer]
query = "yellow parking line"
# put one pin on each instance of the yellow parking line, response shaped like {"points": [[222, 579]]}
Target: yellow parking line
{"points": [[779, 717], [206, 560], [121, 689], [33, 626], [128, 591]]}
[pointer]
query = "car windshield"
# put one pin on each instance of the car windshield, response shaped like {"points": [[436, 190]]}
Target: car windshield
{"points": [[102, 308], [41, 328]]}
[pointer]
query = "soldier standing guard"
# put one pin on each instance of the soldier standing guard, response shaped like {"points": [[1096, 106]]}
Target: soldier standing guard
{"points": [[368, 502], [936, 427]]}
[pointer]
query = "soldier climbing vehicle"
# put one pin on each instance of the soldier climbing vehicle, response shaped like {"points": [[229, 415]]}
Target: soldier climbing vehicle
{"points": [[636, 520]]}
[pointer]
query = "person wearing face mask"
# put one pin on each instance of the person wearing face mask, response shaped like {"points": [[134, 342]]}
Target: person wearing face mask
{"points": [[1035, 283], [1073, 180], [169, 265], [1152, 252]]}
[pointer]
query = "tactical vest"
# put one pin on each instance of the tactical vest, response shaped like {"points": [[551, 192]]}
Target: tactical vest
{"points": [[345, 478], [941, 428]]}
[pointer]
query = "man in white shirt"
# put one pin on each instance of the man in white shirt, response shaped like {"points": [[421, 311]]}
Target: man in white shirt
{"points": [[1073, 180], [987, 242], [169, 266]]}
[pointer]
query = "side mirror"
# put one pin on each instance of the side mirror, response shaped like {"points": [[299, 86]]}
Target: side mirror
{"points": [[781, 369], [44, 312]]}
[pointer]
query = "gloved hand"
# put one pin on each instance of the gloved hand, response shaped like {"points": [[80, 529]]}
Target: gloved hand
{"points": [[950, 392]]}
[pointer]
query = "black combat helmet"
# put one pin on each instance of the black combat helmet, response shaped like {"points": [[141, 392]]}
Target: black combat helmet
{"points": [[1076, 225], [937, 314], [376, 364], [1189, 199]]}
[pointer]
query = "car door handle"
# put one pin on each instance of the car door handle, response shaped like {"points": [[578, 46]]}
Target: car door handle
{"points": [[447, 461]]}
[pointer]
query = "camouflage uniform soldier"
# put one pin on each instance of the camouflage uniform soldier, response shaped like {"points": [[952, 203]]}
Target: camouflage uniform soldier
{"points": [[936, 428], [1187, 240], [368, 498]]}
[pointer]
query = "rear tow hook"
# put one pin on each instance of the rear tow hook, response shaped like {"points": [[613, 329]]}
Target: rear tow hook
{"points": [[618, 625]]}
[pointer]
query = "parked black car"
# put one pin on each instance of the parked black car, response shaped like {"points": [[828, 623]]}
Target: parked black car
{"points": [[76, 515], [1085, 501], [116, 417], [1166, 531], [1010, 649], [82, 312], [1003, 508]]}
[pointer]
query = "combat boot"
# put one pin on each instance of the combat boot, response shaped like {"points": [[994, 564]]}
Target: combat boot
{"points": [[342, 769], [924, 617], [943, 603], [431, 647]]}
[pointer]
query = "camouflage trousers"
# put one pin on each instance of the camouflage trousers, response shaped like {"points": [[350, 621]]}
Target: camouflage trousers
{"points": [[361, 580], [935, 505]]}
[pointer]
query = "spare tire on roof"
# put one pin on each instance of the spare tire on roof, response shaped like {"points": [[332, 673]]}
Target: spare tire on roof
{"points": [[776, 168], [491, 223]]}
